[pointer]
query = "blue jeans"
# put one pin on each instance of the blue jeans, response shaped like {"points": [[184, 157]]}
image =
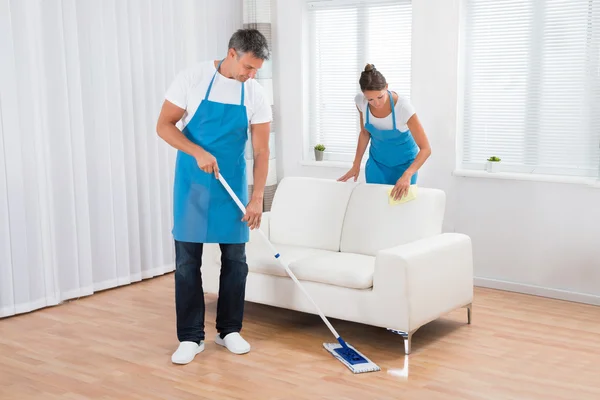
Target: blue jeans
{"points": [[189, 294]]}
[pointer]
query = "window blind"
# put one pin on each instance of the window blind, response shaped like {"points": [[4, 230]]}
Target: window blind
{"points": [[532, 85], [344, 36]]}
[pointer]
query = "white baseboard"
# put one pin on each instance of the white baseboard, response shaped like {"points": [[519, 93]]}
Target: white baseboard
{"points": [[538, 291]]}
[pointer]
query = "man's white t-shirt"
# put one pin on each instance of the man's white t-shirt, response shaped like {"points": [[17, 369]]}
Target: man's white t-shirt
{"points": [[403, 109], [190, 86]]}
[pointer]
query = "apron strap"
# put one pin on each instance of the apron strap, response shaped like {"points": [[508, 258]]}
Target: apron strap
{"points": [[212, 80], [393, 109], [391, 105], [242, 101]]}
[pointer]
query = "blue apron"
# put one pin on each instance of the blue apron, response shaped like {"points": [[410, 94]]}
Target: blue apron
{"points": [[203, 211], [391, 152]]}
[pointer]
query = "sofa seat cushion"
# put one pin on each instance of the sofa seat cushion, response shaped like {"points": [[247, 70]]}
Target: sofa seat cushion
{"points": [[347, 270], [261, 260], [354, 271]]}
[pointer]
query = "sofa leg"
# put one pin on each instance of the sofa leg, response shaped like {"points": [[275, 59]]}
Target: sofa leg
{"points": [[407, 343], [407, 339], [469, 312]]}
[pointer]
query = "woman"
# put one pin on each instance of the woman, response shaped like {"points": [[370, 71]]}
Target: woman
{"points": [[399, 146]]}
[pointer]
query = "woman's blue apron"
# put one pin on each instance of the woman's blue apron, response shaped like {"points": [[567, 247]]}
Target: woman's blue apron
{"points": [[391, 152], [203, 211]]}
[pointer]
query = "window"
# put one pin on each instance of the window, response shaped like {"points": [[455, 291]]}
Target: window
{"points": [[532, 85], [344, 36]]}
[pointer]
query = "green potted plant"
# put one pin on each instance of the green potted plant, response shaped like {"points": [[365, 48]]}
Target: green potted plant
{"points": [[492, 164], [319, 149]]}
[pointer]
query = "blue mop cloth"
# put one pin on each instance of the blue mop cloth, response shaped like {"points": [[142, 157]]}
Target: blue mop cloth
{"points": [[351, 357]]}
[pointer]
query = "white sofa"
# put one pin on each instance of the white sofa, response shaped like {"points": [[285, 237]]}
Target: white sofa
{"points": [[360, 258]]}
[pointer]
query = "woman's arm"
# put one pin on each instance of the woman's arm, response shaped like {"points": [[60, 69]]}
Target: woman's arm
{"points": [[402, 185], [421, 139], [363, 140]]}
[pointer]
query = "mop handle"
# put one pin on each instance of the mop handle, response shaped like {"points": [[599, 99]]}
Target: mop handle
{"points": [[277, 256]]}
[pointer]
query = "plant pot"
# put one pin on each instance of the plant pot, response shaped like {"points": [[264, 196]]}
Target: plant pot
{"points": [[492, 166], [318, 155]]}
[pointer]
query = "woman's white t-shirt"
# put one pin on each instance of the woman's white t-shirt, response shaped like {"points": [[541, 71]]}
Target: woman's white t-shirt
{"points": [[189, 88], [403, 108]]}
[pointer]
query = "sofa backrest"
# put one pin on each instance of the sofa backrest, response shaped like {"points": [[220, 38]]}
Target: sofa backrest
{"points": [[309, 212], [372, 224]]}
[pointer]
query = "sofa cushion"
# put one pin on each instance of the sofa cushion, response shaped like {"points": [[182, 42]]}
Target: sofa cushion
{"points": [[261, 260], [354, 271], [372, 224], [309, 212]]}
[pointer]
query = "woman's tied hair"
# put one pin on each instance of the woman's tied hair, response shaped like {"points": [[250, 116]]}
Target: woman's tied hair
{"points": [[371, 79]]}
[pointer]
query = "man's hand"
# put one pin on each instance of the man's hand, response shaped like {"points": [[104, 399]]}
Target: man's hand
{"points": [[207, 162], [260, 147], [401, 188], [254, 211]]}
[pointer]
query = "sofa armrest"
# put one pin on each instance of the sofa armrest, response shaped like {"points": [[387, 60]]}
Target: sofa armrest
{"points": [[429, 277]]}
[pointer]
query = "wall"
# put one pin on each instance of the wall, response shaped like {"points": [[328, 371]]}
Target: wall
{"points": [[543, 248]]}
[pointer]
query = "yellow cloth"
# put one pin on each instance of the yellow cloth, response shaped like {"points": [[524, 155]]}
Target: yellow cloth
{"points": [[411, 195]]}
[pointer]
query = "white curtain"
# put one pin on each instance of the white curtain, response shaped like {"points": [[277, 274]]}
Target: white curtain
{"points": [[85, 184]]}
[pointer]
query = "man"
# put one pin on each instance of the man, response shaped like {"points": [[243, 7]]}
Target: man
{"points": [[216, 101]]}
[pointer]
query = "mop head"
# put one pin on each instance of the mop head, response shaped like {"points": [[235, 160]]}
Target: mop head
{"points": [[351, 358]]}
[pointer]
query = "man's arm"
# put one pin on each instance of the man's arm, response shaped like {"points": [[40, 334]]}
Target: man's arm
{"points": [[167, 129], [260, 145]]}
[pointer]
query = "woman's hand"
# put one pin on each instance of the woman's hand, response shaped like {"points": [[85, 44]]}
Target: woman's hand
{"points": [[353, 173], [401, 187]]}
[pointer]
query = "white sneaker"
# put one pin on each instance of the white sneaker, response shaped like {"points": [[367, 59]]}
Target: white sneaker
{"points": [[234, 343], [186, 352]]}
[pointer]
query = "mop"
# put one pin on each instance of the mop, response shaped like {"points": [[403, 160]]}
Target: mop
{"points": [[343, 351]]}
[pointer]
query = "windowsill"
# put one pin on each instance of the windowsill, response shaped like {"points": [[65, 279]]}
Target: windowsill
{"points": [[326, 163], [471, 173], [593, 182]]}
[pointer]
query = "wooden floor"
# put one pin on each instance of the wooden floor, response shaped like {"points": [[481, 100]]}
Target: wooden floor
{"points": [[117, 345]]}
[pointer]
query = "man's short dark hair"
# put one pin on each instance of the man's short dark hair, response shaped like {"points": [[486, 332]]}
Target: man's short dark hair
{"points": [[250, 41]]}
